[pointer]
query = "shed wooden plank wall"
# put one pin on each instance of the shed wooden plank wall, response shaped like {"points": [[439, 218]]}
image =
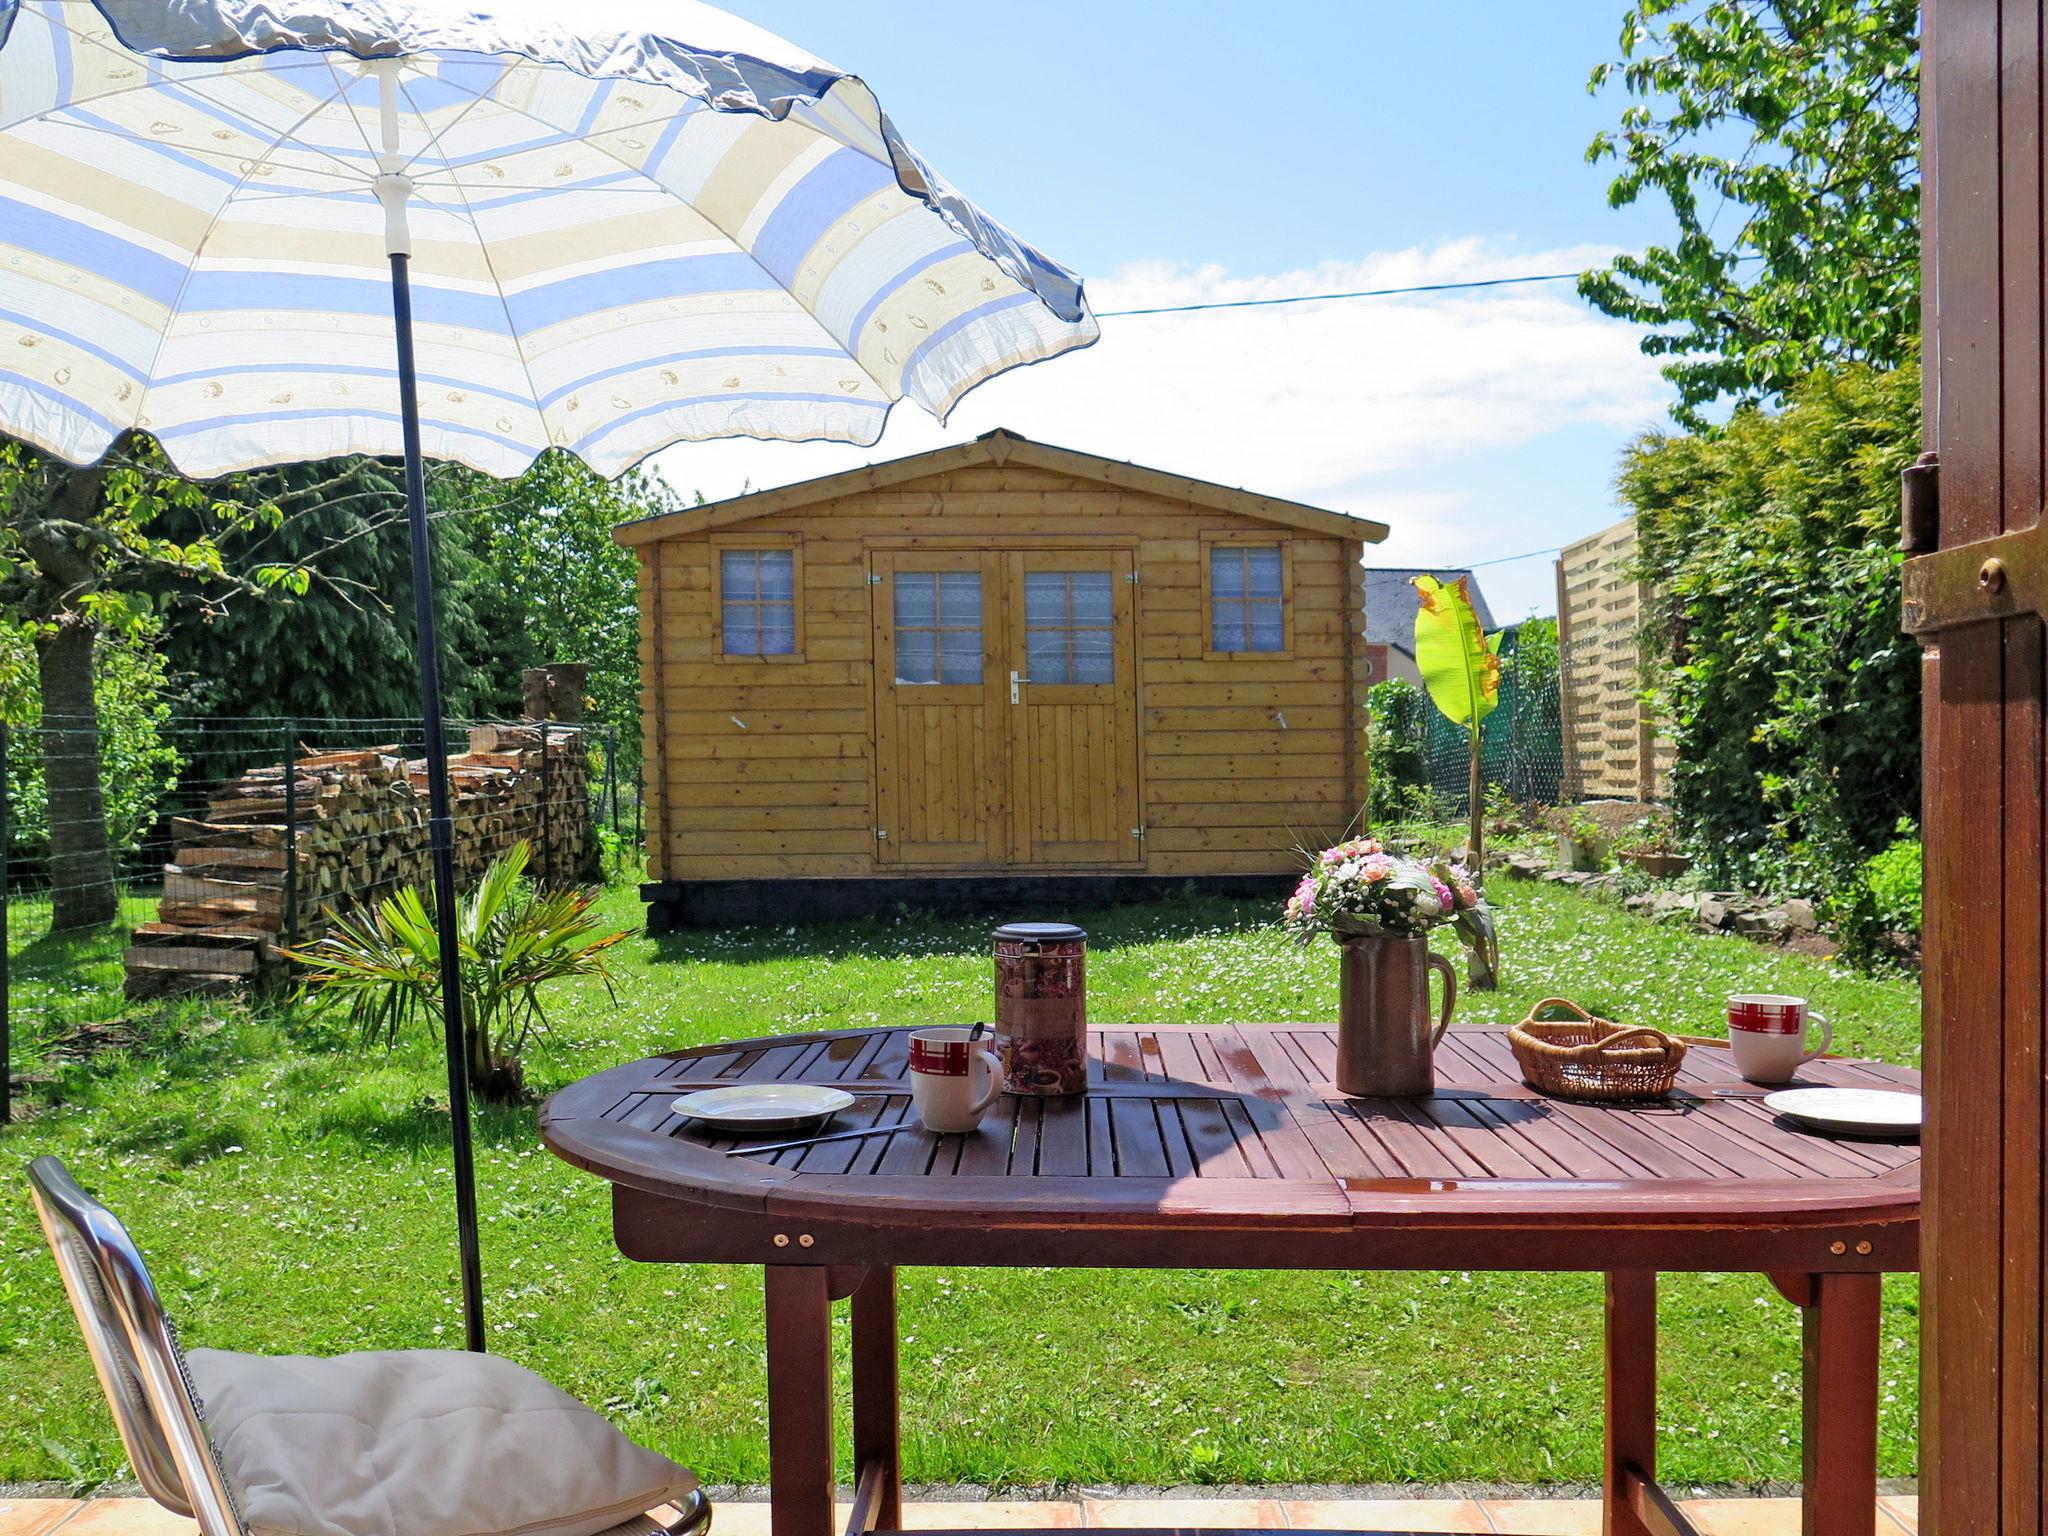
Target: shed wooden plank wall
{"points": [[1240, 758]]}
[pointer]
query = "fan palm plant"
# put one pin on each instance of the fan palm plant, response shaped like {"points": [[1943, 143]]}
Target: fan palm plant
{"points": [[383, 966]]}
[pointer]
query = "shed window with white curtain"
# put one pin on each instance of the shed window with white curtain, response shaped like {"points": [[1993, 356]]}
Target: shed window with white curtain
{"points": [[938, 627], [1247, 598], [757, 594]]}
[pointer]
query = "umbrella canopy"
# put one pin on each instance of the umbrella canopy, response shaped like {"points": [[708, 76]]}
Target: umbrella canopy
{"points": [[633, 222], [267, 233]]}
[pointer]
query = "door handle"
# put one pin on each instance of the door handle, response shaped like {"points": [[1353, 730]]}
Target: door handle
{"points": [[1017, 680]]}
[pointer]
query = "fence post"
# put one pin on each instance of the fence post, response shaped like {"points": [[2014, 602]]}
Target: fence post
{"points": [[6, 1001], [611, 772], [547, 854], [291, 832]]}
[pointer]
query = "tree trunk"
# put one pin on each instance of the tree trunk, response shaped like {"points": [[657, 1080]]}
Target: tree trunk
{"points": [[82, 891]]}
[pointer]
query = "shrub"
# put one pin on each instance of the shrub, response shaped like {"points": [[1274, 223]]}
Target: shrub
{"points": [[1770, 548], [1893, 881], [138, 767], [1398, 716], [382, 966]]}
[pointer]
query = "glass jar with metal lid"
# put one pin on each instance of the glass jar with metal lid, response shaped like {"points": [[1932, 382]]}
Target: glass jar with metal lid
{"points": [[1042, 1008]]}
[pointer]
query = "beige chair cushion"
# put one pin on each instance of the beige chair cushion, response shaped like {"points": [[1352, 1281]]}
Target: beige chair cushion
{"points": [[419, 1443]]}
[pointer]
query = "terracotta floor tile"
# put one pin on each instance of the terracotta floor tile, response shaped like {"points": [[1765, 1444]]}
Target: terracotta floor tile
{"points": [[1230, 1514], [1744, 1517], [1905, 1509], [1544, 1517], [736, 1519], [1387, 1515], [992, 1515], [33, 1517], [127, 1517]]}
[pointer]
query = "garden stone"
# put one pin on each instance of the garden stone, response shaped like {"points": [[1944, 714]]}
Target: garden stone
{"points": [[1714, 912], [1665, 904], [1760, 925], [1800, 916]]}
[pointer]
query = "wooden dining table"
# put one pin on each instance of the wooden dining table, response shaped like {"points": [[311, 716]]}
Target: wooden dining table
{"points": [[1226, 1146]]}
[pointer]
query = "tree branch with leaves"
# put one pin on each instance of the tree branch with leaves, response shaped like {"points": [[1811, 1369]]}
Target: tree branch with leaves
{"points": [[1784, 135]]}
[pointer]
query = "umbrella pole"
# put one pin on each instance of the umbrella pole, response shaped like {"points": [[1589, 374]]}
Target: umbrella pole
{"points": [[440, 827]]}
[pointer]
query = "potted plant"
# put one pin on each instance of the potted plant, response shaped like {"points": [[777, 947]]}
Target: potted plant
{"points": [[1380, 908], [383, 966], [1652, 846], [1582, 843]]}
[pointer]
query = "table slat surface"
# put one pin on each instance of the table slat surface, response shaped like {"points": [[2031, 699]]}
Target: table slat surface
{"points": [[1239, 1102]]}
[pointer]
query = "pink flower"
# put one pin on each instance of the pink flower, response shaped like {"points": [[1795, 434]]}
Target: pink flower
{"points": [[1377, 868], [1467, 896], [1444, 903]]}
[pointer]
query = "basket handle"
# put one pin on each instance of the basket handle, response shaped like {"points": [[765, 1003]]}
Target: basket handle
{"points": [[1657, 1036], [1558, 1002]]}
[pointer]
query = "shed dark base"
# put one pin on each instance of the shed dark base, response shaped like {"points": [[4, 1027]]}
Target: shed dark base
{"points": [[674, 904]]}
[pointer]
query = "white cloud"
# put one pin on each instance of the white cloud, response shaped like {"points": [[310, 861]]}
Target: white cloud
{"points": [[1321, 402]]}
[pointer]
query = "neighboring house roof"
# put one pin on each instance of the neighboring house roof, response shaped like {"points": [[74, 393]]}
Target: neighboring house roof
{"points": [[1391, 603], [1002, 447]]}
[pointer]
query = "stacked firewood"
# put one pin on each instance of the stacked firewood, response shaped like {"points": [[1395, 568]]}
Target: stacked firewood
{"points": [[271, 864]]}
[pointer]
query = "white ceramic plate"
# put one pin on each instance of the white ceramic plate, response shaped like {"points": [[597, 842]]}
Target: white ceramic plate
{"points": [[1851, 1111], [764, 1107]]}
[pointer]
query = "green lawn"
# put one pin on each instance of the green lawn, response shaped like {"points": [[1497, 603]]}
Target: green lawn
{"points": [[293, 1195]]}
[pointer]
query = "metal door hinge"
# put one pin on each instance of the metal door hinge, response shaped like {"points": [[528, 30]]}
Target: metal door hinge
{"points": [[1920, 506], [1995, 578], [1138, 833], [881, 834], [874, 578], [1131, 577]]}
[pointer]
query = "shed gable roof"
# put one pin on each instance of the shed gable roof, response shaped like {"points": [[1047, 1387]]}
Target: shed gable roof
{"points": [[1000, 447]]}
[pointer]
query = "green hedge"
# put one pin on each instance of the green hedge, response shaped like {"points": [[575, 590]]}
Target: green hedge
{"points": [[1771, 548]]}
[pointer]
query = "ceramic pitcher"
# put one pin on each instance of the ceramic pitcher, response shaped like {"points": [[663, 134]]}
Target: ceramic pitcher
{"points": [[1385, 1038]]}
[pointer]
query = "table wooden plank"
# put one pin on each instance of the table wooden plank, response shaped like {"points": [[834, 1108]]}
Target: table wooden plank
{"points": [[1101, 1140], [1478, 1139], [1063, 1135], [987, 1151], [1211, 1137], [1140, 1143], [1328, 1141], [1123, 1061]]}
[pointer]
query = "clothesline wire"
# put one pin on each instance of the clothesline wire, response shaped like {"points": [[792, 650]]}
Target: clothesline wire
{"points": [[1357, 293]]}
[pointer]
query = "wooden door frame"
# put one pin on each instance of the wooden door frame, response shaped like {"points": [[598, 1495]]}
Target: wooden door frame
{"points": [[1975, 593], [880, 562], [995, 612]]}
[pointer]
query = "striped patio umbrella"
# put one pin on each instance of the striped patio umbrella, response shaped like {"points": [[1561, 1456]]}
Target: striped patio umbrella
{"points": [[265, 233]]}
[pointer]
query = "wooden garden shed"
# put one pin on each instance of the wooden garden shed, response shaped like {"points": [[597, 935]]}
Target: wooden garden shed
{"points": [[993, 662]]}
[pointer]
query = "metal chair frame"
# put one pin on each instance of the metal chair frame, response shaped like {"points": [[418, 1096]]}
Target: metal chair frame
{"points": [[142, 1370]]}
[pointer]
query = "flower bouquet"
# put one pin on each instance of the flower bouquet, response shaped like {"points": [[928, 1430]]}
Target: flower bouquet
{"points": [[1380, 907], [1359, 890]]}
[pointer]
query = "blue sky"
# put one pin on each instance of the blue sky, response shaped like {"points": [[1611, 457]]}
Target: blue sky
{"points": [[1205, 149]]}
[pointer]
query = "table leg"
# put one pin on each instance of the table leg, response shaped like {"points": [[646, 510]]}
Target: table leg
{"points": [[1631, 1398], [876, 1398], [799, 1326], [1838, 1355]]}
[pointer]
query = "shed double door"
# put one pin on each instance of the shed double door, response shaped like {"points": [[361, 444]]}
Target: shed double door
{"points": [[1006, 721]]}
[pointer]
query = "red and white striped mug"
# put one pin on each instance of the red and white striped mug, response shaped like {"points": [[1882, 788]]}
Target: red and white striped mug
{"points": [[1767, 1032], [953, 1080]]}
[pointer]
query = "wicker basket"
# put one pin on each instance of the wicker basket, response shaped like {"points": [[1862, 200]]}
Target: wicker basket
{"points": [[1594, 1059]]}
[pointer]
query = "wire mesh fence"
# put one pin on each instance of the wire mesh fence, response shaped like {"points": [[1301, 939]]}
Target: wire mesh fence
{"points": [[177, 854], [1570, 727]]}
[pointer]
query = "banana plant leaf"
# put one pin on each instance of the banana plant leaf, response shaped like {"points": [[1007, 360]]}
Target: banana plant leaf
{"points": [[1460, 664]]}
